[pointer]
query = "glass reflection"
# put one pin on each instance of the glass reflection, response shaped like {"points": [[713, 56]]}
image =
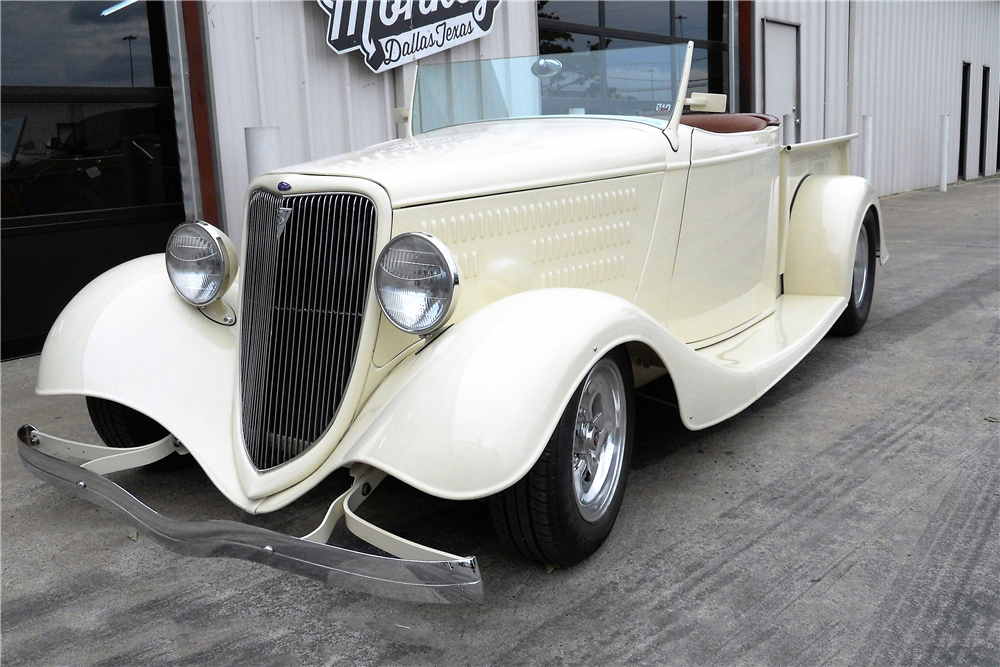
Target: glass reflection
{"points": [[652, 17], [59, 158], [690, 20], [571, 11], [555, 41], [701, 61], [71, 44]]}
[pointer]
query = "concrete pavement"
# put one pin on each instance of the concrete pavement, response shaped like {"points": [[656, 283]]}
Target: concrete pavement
{"points": [[850, 517]]}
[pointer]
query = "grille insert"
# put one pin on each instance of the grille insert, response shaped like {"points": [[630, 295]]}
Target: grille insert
{"points": [[305, 288]]}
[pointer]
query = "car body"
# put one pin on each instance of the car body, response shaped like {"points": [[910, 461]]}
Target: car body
{"points": [[592, 253]]}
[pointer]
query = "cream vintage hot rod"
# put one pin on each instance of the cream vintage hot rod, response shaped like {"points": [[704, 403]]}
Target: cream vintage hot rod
{"points": [[468, 309]]}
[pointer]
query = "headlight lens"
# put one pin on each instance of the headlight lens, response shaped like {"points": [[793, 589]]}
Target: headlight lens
{"points": [[201, 262], [416, 280]]}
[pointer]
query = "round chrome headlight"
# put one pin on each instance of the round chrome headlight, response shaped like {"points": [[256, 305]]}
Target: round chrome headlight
{"points": [[201, 262], [416, 280]]}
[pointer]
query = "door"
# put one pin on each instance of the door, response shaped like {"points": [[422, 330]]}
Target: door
{"points": [[963, 137], [781, 75], [725, 272], [984, 120]]}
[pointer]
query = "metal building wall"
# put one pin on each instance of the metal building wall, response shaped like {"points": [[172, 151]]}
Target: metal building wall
{"points": [[270, 66], [909, 72], [813, 52], [901, 63]]}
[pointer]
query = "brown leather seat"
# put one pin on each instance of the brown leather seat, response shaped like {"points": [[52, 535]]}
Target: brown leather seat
{"points": [[726, 123]]}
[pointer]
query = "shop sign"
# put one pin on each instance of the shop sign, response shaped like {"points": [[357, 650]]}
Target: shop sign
{"points": [[391, 33]]}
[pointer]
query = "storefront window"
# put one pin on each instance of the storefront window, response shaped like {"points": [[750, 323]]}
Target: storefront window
{"points": [[570, 11], [562, 27], [87, 112], [646, 16]]}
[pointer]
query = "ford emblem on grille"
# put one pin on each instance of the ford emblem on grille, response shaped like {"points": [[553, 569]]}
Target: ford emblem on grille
{"points": [[284, 187]]}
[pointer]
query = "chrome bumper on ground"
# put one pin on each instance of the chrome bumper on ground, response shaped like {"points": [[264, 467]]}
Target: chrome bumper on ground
{"points": [[455, 580]]}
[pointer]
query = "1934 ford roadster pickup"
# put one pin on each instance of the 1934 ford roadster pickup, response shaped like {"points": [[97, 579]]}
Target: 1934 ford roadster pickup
{"points": [[468, 309]]}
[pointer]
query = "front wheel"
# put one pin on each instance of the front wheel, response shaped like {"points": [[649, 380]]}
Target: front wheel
{"points": [[863, 283], [564, 508]]}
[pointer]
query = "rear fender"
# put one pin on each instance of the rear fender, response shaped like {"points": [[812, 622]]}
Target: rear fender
{"points": [[470, 413], [823, 233]]}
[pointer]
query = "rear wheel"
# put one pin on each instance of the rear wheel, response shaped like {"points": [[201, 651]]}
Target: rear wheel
{"points": [[121, 426], [564, 508], [853, 319]]}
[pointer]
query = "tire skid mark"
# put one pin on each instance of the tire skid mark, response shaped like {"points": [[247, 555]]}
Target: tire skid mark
{"points": [[986, 373], [940, 306], [971, 568], [218, 612], [859, 545], [919, 597], [54, 598], [848, 449]]}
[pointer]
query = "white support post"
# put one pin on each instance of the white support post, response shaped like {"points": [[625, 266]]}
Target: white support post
{"points": [[405, 78], [867, 139], [263, 150], [788, 129], [943, 182]]}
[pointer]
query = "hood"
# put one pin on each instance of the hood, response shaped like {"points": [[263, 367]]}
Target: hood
{"points": [[500, 156]]}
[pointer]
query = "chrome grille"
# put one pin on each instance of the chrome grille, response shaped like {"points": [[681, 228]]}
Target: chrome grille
{"points": [[304, 293]]}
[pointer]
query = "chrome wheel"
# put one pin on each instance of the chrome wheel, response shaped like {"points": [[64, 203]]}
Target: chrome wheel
{"points": [[861, 265], [599, 440], [564, 508]]}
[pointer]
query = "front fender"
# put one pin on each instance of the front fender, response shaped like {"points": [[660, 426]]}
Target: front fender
{"points": [[470, 414], [823, 232], [129, 338], [465, 417]]}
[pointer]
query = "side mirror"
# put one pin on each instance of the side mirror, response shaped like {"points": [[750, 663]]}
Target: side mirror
{"points": [[710, 102], [54, 143]]}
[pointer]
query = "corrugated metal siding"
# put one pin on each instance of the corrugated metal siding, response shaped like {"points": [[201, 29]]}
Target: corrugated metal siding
{"points": [[270, 66], [901, 63], [837, 17], [909, 73]]}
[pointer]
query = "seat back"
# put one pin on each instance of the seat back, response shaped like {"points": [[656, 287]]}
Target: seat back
{"points": [[727, 123]]}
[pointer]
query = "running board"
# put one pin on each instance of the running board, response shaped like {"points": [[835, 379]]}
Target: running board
{"points": [[773, 346]]}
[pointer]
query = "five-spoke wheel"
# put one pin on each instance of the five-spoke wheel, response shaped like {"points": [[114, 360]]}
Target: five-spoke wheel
{"points": [[565, 507], [599, 440]]}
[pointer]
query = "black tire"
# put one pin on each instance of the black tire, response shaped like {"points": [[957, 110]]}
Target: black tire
{"points": [[540, 517], [121, 426], [853, 319]]}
